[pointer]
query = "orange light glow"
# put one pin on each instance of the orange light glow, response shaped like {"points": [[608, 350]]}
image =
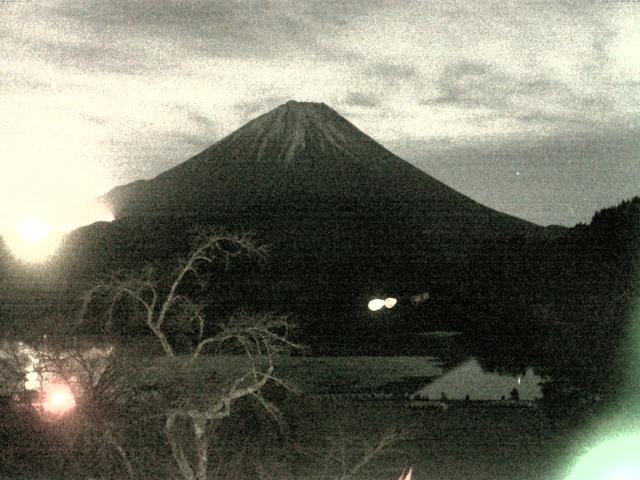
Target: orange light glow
{"points": [[58, 399]]}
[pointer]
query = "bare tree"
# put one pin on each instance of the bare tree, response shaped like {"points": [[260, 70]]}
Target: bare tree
{"points": [[187, 389], [52, 354], [104, 380], [30, 365]]}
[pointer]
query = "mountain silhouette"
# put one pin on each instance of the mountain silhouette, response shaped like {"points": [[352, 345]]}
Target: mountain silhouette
{"points": [[302, 159]]}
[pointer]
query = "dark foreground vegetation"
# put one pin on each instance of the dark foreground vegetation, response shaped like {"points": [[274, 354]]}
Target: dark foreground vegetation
{"points": [[562, 303], [316, 438]]}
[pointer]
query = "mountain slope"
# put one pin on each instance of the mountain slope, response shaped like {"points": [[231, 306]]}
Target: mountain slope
{"points": [[305, 158]]}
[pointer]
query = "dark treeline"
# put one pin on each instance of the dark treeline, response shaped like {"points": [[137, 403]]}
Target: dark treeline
{"points": [[564, 305]]}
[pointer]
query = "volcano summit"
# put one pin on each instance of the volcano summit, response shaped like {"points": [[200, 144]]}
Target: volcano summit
{"points": [[302, 159]]}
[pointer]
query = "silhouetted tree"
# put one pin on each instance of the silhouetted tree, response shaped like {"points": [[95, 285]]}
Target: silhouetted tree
{"points": [[189, 391]]}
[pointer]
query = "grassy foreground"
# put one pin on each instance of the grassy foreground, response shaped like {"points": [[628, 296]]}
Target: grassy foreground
{"points": [[466, 442], [321, 433]]}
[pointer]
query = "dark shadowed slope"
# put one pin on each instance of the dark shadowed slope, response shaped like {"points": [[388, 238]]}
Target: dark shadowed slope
{"points": [[303, 159]]}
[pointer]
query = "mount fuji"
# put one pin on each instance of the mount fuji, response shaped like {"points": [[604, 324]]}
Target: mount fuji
{"points": [[303, 159], [344, 218]]}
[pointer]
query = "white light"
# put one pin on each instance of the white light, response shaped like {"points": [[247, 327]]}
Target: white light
{"points": [[390, 302], [33, 240], [33, 231], [376, 304]]}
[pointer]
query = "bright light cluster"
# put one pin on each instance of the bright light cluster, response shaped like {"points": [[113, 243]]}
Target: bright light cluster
{"points": [[378, 303]]}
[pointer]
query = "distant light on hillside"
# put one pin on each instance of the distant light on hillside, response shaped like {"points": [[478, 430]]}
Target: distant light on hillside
{"points": [[376, 304]]}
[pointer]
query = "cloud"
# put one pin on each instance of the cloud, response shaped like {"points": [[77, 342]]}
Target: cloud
{"points": [[253, 108], [98, 57], [232, 29], [200, 120], [554, 179], [393, 71], [193, 119], [137, 86], [11, 81], [487, 92], [154, 153], [473, 84], [356, 99]]}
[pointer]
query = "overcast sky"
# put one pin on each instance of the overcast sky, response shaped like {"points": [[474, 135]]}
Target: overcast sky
{"points": [[529, 107]]}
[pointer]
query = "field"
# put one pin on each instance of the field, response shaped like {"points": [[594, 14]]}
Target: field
{"points": [[325, 428], [354, 374], [468, 441]]}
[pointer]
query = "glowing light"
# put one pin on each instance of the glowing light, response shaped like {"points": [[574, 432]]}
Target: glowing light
{"points": [[33, 230], [58, 399], [615, 459], [390, 302], [376, 304], [33, 239]]}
